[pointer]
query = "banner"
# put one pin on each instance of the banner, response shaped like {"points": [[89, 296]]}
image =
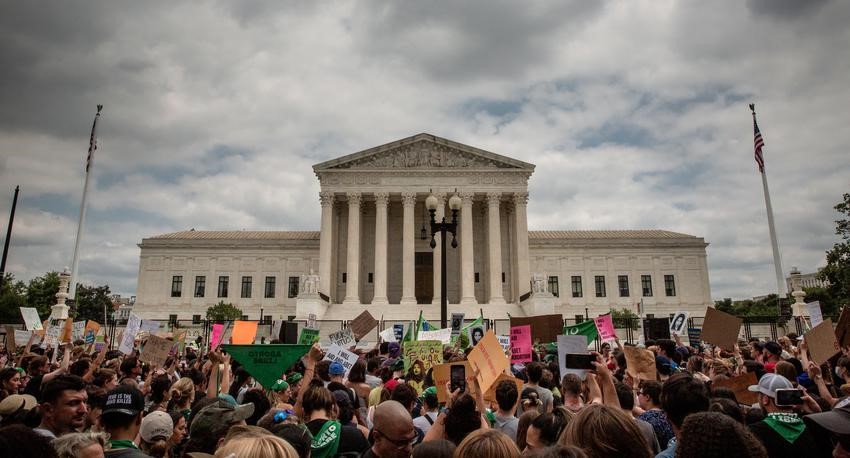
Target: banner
{"points": [[605, 327], [488, 359], [444, 336], [31, 319], [586, 329], [128, 340], [361, 325], [244, 332], [215, 335], [679, 323], [388, 335], [430, 352], [573, 344], [521, 344], [343, 338], [694, 336], [311, 321], [308, 336], [266, 363], [342, 356], [156, 351]]}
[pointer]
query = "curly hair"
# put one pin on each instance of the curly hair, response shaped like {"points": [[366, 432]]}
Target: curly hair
{"points": [[713, 434], [462, 419], [622, 435]]}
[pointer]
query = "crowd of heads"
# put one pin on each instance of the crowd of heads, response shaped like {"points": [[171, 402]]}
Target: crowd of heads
{"points": [[79, 401]]}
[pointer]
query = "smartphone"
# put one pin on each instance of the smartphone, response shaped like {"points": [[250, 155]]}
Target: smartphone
{"points": [[787, 397], [458, 378], [579, 361]]}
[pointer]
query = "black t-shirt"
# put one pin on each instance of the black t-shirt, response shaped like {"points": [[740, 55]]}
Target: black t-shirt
{"points": [[805, 446], [34, 387], [350, 439]]}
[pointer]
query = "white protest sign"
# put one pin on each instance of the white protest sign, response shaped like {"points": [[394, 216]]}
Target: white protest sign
{"points": [[342, 356], [505, 342], [311, 322], [52, 333], [150, 326], [388, 335], [22, 337], [31, 319], [78, 330], [443, 335], [574, 345], [344, 338], [815, 314], [134, 324], [679, 323]]}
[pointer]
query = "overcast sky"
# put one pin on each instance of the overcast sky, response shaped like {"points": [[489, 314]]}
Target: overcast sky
{"points": [[634, 112]]}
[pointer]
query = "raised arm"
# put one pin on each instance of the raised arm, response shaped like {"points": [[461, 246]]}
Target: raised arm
{"points": [[313, 356]]}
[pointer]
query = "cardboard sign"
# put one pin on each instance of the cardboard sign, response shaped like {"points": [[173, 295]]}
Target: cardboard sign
{"points": [[640, 363], [721, 328], [490, 395], [67, 330], [31, 319], [78, 330], [344, 338], [361, 325], [244, 332], [156, 350], [740, 386], [266, 363], [521, 347], [342, 356], [128, 339], [457, 324], [10, 339], [605, 327], [444, 336], [815, 314], [388, 335], [694, 336], [179, 341], [22, 337], [430, 352], [574, 345], [442, 375], [842, 329], [679, 323], [822, 342], [311, 321], [398, 330], [308, 336], [544, 328], [488, 359], [91, 330]]}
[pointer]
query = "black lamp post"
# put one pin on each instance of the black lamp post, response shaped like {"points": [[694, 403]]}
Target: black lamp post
{"points": [[442, 228]]}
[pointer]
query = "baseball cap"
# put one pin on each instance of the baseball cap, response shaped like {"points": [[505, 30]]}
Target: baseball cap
{"points": [[431, 391], [124, 400], [156, 424], [16, 402], [294, 378], [216, 418], [769, 383], [393, 349], [836, 421], [279, 385], [336, 369]]}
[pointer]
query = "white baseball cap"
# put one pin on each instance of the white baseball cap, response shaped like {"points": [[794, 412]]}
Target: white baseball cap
{"points": [[769, 383], [156, 424]]}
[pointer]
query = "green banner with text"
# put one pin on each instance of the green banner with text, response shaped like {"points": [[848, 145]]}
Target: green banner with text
{"points": [[266, 363]]}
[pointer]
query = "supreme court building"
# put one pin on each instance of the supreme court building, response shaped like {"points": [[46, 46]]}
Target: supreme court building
{"points": [[373, 250]]}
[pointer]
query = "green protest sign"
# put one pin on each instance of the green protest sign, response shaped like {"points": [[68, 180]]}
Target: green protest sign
{"points": [[308, 336], [266, 363]]}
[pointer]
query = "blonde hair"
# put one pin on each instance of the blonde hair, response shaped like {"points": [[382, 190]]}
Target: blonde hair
{"points": [[69, 445], [487, 443], [182, 391], [623, 437], [249, 446]]}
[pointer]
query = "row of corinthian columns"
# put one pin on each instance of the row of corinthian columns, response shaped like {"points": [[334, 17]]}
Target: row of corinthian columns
{"points": [[408, 200]]}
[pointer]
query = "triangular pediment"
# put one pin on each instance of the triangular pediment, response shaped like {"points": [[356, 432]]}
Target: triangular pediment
{"points": [[424, 151]]}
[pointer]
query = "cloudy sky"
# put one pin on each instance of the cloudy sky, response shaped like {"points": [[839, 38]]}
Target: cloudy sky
{"points": [[634, 112]]}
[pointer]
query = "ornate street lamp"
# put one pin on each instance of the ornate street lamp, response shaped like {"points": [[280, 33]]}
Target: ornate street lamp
{"points": [[442, 228]]}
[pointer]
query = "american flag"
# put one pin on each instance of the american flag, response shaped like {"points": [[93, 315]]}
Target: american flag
{"points": [[93, 139], [758, 142]]}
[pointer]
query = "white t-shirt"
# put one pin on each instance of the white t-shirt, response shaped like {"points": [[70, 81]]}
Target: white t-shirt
{"points": [[423, 423]]}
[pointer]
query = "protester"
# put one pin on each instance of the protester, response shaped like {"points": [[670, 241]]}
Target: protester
{"points": [[546, 428], [431, 408], [681, 395], [122, 419], [63, 408], [621, 435], [487, 443], [10, 382], [156, 430], [506, 401], [393, 434], [649, 397], [716, 435], [25, 442], [81, 445]]}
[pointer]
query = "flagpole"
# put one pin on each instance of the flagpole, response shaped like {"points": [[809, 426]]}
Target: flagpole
{"points": [[777, 260], [76, 261], [8, 236]]}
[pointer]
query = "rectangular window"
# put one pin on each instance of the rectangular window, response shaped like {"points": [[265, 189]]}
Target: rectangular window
{"points": [[267, 319], [200, 286], [553, 285], [293, 286], [623, 284], [196, 319], [669, 285], [270, 286], [176, 285], [600, 285], [172, 319], [576, 285], [246, 286], [646, 285], [222, 285]]}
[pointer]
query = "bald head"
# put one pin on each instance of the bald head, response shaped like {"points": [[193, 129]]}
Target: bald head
{"points": [[393, 431], [391, 413]]}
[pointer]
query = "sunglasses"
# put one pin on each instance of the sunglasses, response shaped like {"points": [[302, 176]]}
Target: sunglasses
{"points": [[399, 443]]}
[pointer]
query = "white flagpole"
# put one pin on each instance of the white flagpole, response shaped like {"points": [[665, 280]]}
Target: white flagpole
{"points": [[72, 288]]}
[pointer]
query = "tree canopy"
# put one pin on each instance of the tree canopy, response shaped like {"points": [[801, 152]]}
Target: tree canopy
{"points": [[837, 270], [40, 293], [223, 312]]}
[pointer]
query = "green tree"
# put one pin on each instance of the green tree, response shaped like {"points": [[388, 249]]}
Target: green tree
{"points": [[223, 312], [41, 293], [828, 304], [13, 296], [725, 305], [837, 270], [91, 301], [624, 318]]}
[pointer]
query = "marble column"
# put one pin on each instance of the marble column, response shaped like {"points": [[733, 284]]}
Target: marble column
{"points": [[494, 238], [326, 243], [408, 250], [352, 287], [381, 201], [467, 266], [521, 221], [440, 213]]}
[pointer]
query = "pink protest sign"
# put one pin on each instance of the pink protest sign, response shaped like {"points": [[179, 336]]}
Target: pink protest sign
{"points": [[215, 336], [605, 326], [521, 344]]}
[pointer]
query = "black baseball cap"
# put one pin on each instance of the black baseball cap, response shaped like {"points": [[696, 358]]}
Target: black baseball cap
{"points": [[124, 400]]}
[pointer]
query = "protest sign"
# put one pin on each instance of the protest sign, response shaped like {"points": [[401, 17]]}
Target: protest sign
{"points": [[571, 345], [78, 330], [640, 363], [444, 336], [343, 338], [544, 328], [216, 335], [679, 323], [388, 335], [361, 325], [505, 342], [398, 330], [31, 319], [490, 395], [156, 350], [586, 329], [266, 363], [150, 326], [740, 386], [656, 328], [457, 324], [179, 341], [822, 342], [22, 337], [92, 327], [244, 332], [442, 375], [521, 344], [430, 352], [694, 336], [342, 356], [605, 327], [10, 339], [52, 333], [276, 325], [720, 328], [815, 314], [128, 339], [311, 321], [475, 334], [488, 359], [67, 329], [842, 329], [308, 336]]}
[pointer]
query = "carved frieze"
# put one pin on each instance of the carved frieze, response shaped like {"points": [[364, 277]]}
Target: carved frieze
{"points": [[424, 155]]}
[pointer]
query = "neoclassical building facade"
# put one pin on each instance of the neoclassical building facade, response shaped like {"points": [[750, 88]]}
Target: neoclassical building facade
{"points": [[373, 250]]}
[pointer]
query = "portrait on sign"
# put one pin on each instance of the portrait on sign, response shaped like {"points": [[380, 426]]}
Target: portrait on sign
{"points": [[476, 333]]}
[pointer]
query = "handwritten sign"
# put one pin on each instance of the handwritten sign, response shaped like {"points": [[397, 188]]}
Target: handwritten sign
{"points": [[444, 336], [571, 345], [815, 314], [311, 321], [216, 335], [343, 338], [694, 335], [490, 395], [640, 363], [488, 359], [308, 336], [605, 327], [342, 356], [361, 325], [388, 335], [128, 340], [31, 319], [521, 344], [505, 342], [430, 352], [156, 350], [22, 337], [78, 330]]}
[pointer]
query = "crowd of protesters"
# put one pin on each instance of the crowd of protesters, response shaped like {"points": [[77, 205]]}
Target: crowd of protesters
{"points": [[104, 403]]}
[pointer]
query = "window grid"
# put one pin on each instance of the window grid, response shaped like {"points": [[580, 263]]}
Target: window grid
{"points": [[246, 286], [553, 285], [222, 285], [176, 286], [600, 285], [270, 287], [293, 287], [200, 286], [669, 285], [646, 285], [576, 286], [623, 284]]}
